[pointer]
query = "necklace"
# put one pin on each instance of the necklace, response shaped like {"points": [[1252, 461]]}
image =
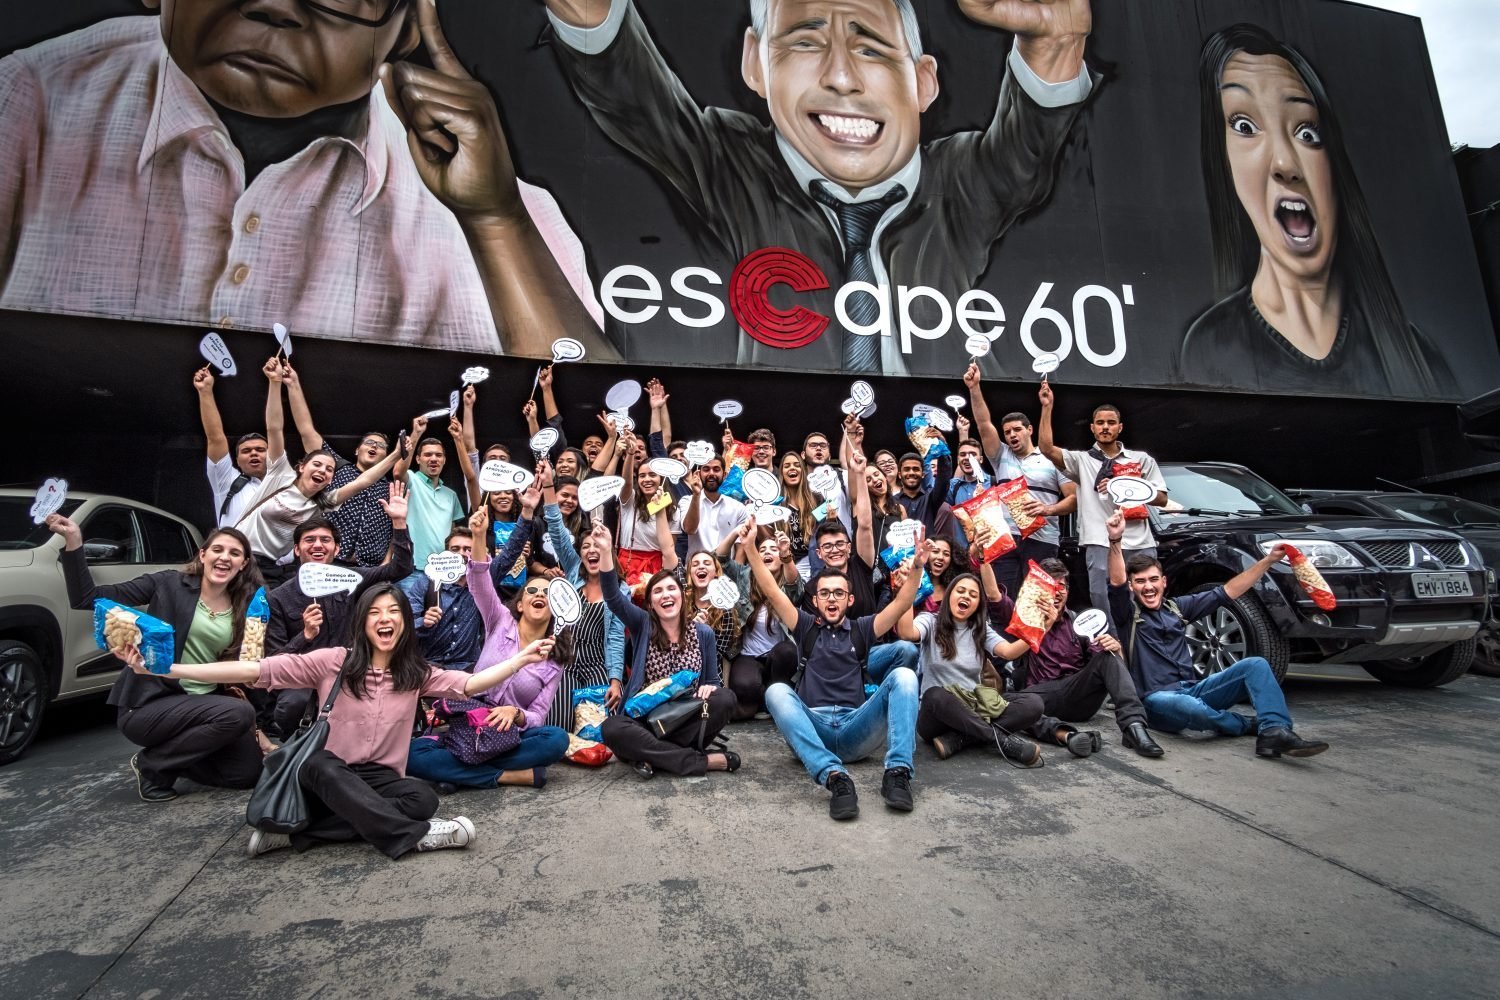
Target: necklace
{"points": [[215, 615]]}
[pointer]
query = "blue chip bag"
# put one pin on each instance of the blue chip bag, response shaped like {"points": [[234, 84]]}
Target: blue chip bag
{"points": [[257, 616], [893, 557], [659, 693], [928, 442], [589, 712], [118, 625]]}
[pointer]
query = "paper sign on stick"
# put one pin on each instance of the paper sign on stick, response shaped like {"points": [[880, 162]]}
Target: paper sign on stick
{"points": [[543, 440], [216, 353], [956, 402], [1045, 364], [437, 414], [722, 593], [902, 534], [567, 349], [283, 338], [453, 398], [823, 480], [623, 395], [862, 393], [698, 453], [51, 496], [1090, 623], [563, 601], [727, 409], [598, 491], [498, 477], [668, 468], [768, 514], [1130, 489], [445, 567], [978, 345], [760, 485], [321, 579], [475, 375]]}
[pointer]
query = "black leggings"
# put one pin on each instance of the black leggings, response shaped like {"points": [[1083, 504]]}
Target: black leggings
{"points": [[632, 741], [363, 802], [749, 676], [209, 738], [942, 713]]}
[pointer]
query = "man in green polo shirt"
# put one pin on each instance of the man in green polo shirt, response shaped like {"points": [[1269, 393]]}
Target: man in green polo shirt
{"points": [[432, 507]]}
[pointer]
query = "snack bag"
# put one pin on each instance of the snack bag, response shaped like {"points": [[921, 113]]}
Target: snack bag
{"points": [[893, 558], [586, 752], [589, 712], [257, 615], [926, 440], [501, 531], [1312, 581], [982, 517], [736, 461], [1016, 495], [117, 626], [662, 691], [1131, 511], [1034, 605]]}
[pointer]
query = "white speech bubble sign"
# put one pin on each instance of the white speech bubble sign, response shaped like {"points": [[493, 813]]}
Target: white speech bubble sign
{"points": [[216, 353], [622, 422], [867, 412], [453, 398], [902, 534], [978, 345], [1130, 489], [445, 567], [769, 513], [823, 481], [283, 338], [933, 415], [622, 395], [49, 497], [475, 375], [543, 440], [1046, 364], [974, 468], [850, 406], [723, 593], [698, 453], [956, 402], [499, 477], [727, 409], [564, 603], [437, 414], [567, 349], [668, 468], [862, 393], [598, 491], [321, 579], [760, 485], [1090, 624]]}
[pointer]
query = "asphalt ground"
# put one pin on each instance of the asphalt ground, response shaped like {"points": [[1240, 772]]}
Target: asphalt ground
{"points": [[1370, 871]]}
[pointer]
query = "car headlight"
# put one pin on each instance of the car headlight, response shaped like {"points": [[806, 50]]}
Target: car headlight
{"points": [[1324, 555]]}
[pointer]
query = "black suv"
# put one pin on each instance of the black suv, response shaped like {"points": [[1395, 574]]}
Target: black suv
{"points": [[1411, 599]]}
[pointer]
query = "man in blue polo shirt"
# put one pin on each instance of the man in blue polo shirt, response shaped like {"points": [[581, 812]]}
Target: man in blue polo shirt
{"points": [[825, 715], [1153, 631]]}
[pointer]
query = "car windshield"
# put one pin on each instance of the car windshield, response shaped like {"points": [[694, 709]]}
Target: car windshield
{"points": [[16, 529], [1450, 512], [1224, 489]]}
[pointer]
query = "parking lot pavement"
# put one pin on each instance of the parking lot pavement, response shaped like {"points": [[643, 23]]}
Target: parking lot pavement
{"points": [[1369, 871]]}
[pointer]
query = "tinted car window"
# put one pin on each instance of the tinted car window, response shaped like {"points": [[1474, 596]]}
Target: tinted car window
{"points": [[1227, 490], [166, 540], [112, 526], [16, 529], [1450, 512]]}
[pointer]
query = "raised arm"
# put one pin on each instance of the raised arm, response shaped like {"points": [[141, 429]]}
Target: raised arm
{"points": [[780, 605], [864, 530], [368, 478], [466, 464], [661, 419], [403, 463], [549, 401], [904, 598], [528, 413], [1240, 584], [604, 462], [665, 541], [1115, 528], [301, 416], [208, 414], [275, 420], [1044, 440], [470, 442], [989, 437], [482, 680], [79, 581]]}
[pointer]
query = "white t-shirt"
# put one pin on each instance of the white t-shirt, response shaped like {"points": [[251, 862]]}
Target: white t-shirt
{"points": [[639, 535], [756, 639], [715, 519], [221, 476], [1095, 508], [269, 526]]}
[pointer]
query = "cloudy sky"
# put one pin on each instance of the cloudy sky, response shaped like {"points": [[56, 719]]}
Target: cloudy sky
{"points": [[1464, 39]]}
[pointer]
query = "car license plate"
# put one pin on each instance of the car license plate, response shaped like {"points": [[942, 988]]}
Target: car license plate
{"points": [[1442, 585]]}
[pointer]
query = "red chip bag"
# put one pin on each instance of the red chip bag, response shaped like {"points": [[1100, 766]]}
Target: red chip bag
{"points": [[739, 455], [1034, 606], [1312, 581], [1135, 512], [983, 520], [1017, 495]]}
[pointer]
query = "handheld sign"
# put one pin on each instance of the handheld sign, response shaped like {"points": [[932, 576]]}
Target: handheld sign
{"points": [[52, 494], [475, 375], [866, 412], [543, 440], [1045, 364], [862, 393], [726, 409], [622, 422], [768, 513], [498, 477], [566, 349], [974, 468], [283, 338], [453, 403], [321, 579], [216, 353], [903, 534], [562, 600], [722, 593], [978, 346], [623, 395], [850, 406], [760, 485], [956, 402], [445, 567], [668, 468], [437, 414], [698, 453], [933, 415], [1089, 624], [823, 480], [1130, 489], [598, 491]]}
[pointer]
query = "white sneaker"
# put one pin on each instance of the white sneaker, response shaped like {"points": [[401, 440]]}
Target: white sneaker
{"points": [[441, 833], [262, 842]]}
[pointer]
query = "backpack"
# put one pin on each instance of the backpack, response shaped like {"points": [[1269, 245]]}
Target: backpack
{"points": [[1135, 621], [805, 648]]}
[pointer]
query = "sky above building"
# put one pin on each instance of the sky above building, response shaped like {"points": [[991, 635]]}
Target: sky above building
{"points": [[1463, 37]]}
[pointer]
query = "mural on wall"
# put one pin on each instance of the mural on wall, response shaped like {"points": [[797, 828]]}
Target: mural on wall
{"points": [[884, 186]]}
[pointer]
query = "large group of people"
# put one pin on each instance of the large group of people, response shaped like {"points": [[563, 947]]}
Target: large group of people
{"points": [[862, 614]]}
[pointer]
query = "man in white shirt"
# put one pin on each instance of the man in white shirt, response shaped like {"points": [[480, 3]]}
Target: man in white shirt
{"points": [[233, 479], [710, 516]]}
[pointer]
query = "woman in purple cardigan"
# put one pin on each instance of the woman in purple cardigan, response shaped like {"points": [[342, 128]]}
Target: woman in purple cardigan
{"points": [[521, 701]]}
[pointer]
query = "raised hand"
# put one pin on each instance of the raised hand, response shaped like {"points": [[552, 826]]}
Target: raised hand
{"points": [[1115, 526], [203, 379], [395, 504], [418, 428], [70, 531], [544, 378], [728, 439], [289, 374], [455, 428], [963, 427], [479, 521], [1044, 394], [857, 465], [658, 394], [531, 497], [312, 621], [469, 395], [536, 652], [528, 410], [972, 376], [272, 370], [432, 616], [1032, 18]]}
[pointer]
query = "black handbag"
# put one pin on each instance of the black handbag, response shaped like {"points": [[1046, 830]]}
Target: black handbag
{"points": [[278, 804], [670, 716]]}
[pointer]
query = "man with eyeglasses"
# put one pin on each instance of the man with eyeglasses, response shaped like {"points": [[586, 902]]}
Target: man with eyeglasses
{"points": [[828, 715], [815, 453], [239, 163]]}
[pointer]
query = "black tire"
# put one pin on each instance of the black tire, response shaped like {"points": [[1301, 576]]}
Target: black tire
{"points": [[1430, 671], [23, 698], [1239, 629], [1487, 651]]}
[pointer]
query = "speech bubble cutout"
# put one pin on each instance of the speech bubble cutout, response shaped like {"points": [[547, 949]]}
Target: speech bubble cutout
{"points": [[567, 349], [933, 415], [543, 440], [1046, 364], [769, 513], [668, 468], [726, 409], [978, 345], [475, 375], [598, 491], [760, 485], [1130, 489], [974, 468], [1089, 624], [498, 477], [823, 480], [723, 593], [445, 567], [321, 579], [850, 406], [862, 393], [49, 497], [283, 338], [903, 534], [867, 412], [698, 453], [623, 395], [956, 402], [564, 603], [437, 414], [453, 403], [622, 422], [216, 353]]}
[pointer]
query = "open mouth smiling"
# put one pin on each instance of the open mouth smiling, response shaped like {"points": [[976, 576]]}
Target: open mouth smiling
{"points": [[849, 130], [1297, 222]]}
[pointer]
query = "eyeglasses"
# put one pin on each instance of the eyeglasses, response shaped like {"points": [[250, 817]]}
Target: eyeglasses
{"points": [[370, 13], [534, 591], [833, 595], [373, 443], [834, 546]]}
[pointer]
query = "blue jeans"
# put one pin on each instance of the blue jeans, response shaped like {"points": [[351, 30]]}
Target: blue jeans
{"points": [[1205, 705], [826, 738], [883, 659], [539, 747]]}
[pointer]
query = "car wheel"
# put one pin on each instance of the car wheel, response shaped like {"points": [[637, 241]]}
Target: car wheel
{"points": [[23, 698], [1487, 651], [1229, 634], [1428, 671]]}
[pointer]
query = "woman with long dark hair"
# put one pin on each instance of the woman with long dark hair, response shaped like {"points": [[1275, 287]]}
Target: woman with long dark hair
{"points": [[646, 544], [797, 498], [184, 729], [767, 655], [946, 562], [884, 510], [1309, 302], [958, 709], [356, 785]]}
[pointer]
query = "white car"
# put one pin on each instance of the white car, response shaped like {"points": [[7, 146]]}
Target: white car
{"points": [[47, 650]]}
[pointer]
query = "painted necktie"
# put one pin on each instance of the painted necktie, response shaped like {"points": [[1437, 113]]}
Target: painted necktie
{"points": [[857, 222]]}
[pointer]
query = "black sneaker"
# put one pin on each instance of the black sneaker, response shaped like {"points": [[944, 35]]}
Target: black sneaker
{"points": [[896, 789], [1020, 751], [845, 802], [149, 790], [1275, 742], [1081, 744]]}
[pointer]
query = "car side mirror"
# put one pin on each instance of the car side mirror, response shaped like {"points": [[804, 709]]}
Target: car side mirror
{"points": [[102, 551], [1307, 508]]}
